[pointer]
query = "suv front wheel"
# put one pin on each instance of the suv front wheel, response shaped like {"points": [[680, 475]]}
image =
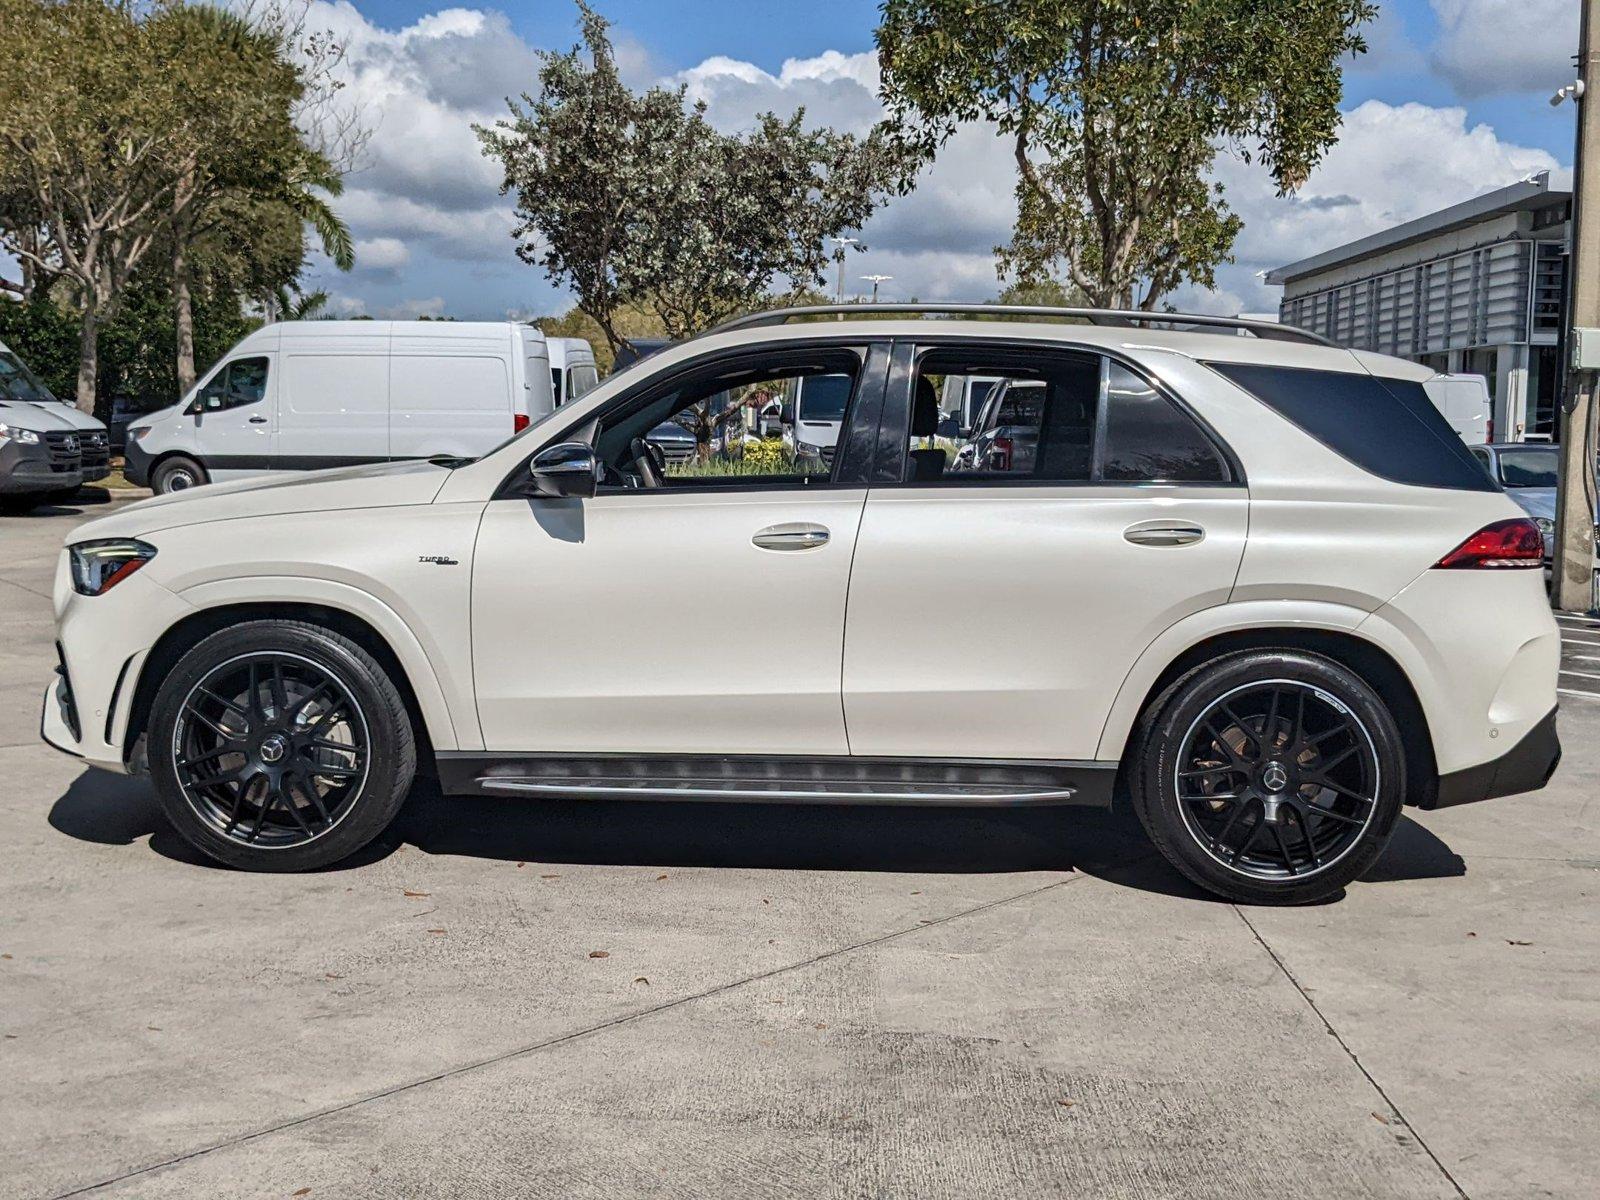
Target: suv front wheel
{"points": [[280, 746], [1269, 776]]}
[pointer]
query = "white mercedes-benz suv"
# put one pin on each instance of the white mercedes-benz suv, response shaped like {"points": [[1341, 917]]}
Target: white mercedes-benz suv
{"points": [[1248, 582]]}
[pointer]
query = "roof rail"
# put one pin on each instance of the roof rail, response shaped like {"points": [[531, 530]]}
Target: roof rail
{"points": [[1095, 316]]}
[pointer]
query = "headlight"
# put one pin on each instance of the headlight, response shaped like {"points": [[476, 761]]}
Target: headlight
{"points": [[138, 432], [808, 448], [23, 437], [1545, 524], [97, 567]]}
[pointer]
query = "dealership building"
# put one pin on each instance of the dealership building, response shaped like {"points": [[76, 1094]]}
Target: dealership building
{"points": [[1475, 288]]}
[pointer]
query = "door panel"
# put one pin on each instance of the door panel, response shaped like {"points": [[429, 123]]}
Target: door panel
{"points": [[233, 430], [999, 622], [651, 622]]}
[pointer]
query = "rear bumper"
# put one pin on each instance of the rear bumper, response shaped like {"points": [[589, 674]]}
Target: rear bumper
{"points": [[1526, 767]]}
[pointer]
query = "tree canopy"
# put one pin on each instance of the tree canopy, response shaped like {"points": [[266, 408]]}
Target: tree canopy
{"points": [[1115, 110], [128, 130], [636, 199]]}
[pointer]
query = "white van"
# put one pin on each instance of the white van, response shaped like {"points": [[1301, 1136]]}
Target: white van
{"points": [[572, 368], [963, 397], [815, 416], [301, 395], [1464, 401]]}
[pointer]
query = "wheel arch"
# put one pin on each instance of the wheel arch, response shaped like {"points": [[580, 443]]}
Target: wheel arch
{"points": [[430, 717], [1165, 662]]}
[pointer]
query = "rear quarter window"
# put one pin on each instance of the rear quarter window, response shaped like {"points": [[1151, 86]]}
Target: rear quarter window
{"points": [[1388, 427]]}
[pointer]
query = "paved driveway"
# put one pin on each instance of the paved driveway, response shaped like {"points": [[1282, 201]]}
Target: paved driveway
{"points": [[588, 999]]}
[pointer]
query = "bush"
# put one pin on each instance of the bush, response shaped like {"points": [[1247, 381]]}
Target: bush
{"points": [[768, 457]]}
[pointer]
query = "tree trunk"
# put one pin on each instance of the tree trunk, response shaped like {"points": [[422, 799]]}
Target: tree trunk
{"points": [[88, 357], [183, 316], [182, 303]]}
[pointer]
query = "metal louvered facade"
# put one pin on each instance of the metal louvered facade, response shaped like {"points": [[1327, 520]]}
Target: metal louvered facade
{"points": [[1480, 297]]}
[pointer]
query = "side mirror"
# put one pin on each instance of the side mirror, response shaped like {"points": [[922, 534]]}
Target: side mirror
{"points": [[786, 415], [565, 470]]}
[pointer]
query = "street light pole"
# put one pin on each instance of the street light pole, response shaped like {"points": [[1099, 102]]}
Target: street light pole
{"points": [[1574, 549], [843, 244], [875, 280]]}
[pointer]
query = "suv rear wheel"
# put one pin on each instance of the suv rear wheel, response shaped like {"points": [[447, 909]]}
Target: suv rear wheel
{"points": [[1269, 776], [280, 746]]}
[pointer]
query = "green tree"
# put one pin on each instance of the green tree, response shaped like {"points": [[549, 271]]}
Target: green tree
{"points": [[1115, 112], [636, 200], [245, 153], [129, 131], [90, 125]]}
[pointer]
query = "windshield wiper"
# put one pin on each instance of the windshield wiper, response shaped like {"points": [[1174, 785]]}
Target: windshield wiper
{"points": [[450, 461]]}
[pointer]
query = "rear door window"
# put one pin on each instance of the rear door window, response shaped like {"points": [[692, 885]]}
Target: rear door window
{"points": [[1388, 427], [1054, 416]]}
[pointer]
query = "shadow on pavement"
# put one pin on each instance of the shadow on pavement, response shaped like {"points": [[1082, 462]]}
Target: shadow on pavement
{"points": [[112, 810]]}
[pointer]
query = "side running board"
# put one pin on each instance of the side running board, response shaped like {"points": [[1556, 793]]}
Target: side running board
{"points": [[779, 780]]}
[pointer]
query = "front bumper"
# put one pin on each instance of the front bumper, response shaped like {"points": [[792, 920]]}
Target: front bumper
{"points": [[136, 464], [35, 468], [1526, 767], [96, 462], [103, 642]]}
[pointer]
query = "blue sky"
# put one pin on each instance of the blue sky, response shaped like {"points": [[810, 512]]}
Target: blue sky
{"points": [[1452, 101]]}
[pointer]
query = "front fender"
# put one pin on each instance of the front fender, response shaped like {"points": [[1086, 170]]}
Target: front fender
{"points": [[446, 709]]}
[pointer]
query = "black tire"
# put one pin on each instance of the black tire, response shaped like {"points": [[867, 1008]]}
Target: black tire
{"points": [[1283, 750], [283, 812], [177, 474], [18, 504]]}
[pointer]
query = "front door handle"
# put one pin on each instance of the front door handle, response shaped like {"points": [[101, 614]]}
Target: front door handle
{"points": [[258, 420], [1163, 533], [794, 536]]}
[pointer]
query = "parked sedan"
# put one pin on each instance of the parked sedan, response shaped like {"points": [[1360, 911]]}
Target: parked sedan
{"points": [[1527, 470]]}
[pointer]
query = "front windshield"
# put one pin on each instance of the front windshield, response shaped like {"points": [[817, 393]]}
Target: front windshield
{"points": [[824, 397], [19, 383], [1528, 468]]}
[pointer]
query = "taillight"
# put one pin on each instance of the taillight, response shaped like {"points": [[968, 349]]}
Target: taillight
{"points": [[1505, 544], [519, 422]]}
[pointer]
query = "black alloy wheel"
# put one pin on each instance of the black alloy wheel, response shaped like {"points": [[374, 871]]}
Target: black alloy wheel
{"points": [[280, 745], [1270, 776], [1277, 779], [271, 749]]}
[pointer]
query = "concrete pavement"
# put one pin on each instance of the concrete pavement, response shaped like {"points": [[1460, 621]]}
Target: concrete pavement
{"points": [[587, 999]]}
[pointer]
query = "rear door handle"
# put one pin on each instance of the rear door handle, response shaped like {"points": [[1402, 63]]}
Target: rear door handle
{"points": [[1163, 533], [793, 536], [258, 420]]}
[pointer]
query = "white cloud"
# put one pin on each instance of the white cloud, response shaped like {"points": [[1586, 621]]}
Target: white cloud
{"points": [[410, 310], [429, 219], [424, 191], [1489, 47], [1392, 163], [382, 253]]}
